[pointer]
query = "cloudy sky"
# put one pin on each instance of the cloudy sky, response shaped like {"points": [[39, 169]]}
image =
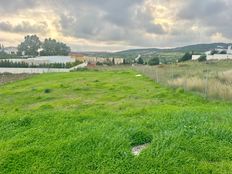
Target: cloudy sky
{"points": [[108, 25]]}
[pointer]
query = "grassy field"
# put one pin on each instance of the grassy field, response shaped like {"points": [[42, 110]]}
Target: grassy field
{"points": [[212, 80], [88, 122]]}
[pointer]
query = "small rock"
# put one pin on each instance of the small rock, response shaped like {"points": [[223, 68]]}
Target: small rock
{"points": [[138, 75], [138, 149]]}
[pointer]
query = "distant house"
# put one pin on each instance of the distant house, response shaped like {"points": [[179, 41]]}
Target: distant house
{"points": [[78, 57], [94, 60], [11, 50], [229, 50], [118, 61], [227, 56], [195, 57]]}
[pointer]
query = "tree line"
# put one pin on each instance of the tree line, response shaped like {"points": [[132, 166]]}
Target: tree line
{"points": [[32, 46], [8, 63]]}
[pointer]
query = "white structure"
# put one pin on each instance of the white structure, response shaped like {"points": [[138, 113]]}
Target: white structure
{"points": [[195, 57], [220, 49], [229, 50], [227, 56], [208, 52], [11, 50], [219, 57], [83, 65]]}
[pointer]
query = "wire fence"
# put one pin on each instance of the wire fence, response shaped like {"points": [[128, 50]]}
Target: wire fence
{"points": [[205, 79]]}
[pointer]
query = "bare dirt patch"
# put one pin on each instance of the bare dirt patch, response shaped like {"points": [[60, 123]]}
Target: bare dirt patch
{"points": [[8, 78]]}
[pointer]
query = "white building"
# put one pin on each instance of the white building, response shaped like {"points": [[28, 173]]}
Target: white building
{"points": [[229, 50], [227, 56], [195, 57], [219, 57], [11, 50], [219, 49]]}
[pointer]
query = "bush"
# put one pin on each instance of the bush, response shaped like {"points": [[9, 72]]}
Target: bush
{"points": [[186, 57], [214, 52], [99, 64], [223, 52], [154, 61], [140, 61], [202, 58]]}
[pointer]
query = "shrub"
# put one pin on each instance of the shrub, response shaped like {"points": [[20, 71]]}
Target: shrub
{"points": [[186, 57], [223, 52], [202, 58], [214, 52], [99, 63], [140, 61], [154, 61]]}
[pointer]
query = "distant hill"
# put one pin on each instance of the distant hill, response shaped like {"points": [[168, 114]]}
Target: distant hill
{"points": [[201, 47], [171, 54], [139, 51], [195, 48]]}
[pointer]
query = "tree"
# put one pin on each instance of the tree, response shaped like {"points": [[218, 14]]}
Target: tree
{"points": [[214, 52], [223, 52], [30, 45], [186, 57], [202, 58], [140, 61], [154, 61], [52, 48]]}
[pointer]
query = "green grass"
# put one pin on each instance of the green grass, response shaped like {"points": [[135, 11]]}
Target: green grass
{"points": [[88, 122]]}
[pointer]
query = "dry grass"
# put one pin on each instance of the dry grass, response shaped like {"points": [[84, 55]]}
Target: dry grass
{"points": [[192, 84], [213, 80], [226, 76], [212, 89]]}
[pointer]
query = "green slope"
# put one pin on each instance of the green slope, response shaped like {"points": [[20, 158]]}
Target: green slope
{"points": [[201, 47], [87, 122], [165, 55]]}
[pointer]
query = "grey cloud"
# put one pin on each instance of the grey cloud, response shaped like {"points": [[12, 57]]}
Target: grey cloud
{"points": [[202, 9], [213, 15], [12, 6], [24, 27], [127, 22], [108, 21]]}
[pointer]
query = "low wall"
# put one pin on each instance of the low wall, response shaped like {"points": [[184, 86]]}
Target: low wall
{"points": [[195, 57], [32, 70], [219, 57]]}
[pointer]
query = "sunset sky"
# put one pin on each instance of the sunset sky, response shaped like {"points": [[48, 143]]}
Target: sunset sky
{"points": [[108, 25]]}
